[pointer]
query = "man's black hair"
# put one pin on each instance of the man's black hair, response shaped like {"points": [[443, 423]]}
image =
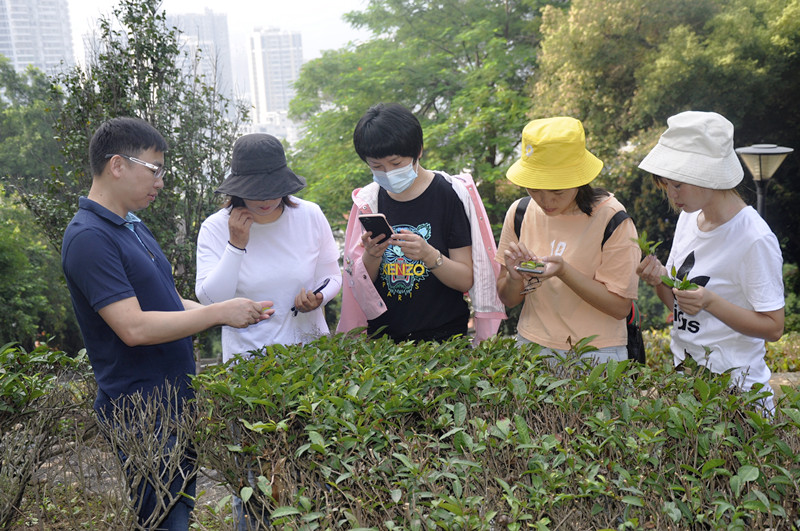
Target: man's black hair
{"points": [[124, 136], [388, 129]]}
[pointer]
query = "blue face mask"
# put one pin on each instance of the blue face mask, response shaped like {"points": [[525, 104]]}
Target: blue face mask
{"points": [[395, 181]]}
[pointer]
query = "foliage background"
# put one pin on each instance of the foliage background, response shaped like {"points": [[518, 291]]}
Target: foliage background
{"points": [[474, 71]]}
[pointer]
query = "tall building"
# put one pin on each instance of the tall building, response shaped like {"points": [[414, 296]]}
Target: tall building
{"points": [[36, 32], [275, 60], [208, 32]]}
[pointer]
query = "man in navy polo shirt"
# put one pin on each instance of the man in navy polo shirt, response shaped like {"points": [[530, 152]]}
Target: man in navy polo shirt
{"points": [[136, 327]]}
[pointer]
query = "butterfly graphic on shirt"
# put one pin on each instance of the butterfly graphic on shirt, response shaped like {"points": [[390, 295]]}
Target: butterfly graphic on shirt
{"points": [[686, 268], [400, 273], [680, 319]]}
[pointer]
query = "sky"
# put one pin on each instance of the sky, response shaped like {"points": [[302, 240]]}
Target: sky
{"points": [[319, 21]]}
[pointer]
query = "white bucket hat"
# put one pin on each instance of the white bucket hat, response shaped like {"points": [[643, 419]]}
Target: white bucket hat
{"points": [[696, 148]]}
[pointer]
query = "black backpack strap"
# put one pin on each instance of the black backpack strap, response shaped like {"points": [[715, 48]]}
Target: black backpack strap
{"points": [[634, 317], [519, 214], [613, 223]]}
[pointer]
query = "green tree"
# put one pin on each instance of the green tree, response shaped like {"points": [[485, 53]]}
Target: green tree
{"points": [[36, 304], [27, 138], [136, 70], [624, 66], [462, 66]]}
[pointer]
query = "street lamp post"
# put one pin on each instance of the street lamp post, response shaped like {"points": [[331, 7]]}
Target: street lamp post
{"points": [[762, 160]]}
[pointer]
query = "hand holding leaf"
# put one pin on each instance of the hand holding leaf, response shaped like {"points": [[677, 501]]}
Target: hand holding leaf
{"points": [[647, 247], [681, 284], [532, 264]]}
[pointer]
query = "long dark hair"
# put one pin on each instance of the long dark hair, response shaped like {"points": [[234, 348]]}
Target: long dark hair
{"points": [[589, 196]]}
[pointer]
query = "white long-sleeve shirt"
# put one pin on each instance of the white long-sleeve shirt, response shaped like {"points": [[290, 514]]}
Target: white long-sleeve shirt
{"points": [[296, 251]]}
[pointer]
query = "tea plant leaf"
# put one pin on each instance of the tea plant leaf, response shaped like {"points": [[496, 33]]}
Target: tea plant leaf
{"points": [[405, 460], [518, 387], [366, 387], [672, 511], [702, 389], [712, 464], [522, 429], [310, 517], [595, 374], [451, 432], [459, 413], [246, 493], [633, 500], [280, 512], [647, 247], [396, 495], [748, 473]]}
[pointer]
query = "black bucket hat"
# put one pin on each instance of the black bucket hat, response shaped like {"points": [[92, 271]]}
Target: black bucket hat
{"points": [[259, 171]]}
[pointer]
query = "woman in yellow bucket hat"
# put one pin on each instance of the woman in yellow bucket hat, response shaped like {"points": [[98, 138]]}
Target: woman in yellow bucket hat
{"points": [[582, 285]]}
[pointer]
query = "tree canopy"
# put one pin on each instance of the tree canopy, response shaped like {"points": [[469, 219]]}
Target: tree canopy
{"points": [[625, 66], [138, 68], [462, 66]]}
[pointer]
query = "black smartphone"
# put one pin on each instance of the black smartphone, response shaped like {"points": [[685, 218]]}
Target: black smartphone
{"points": [[376, 224], [320, 288]]}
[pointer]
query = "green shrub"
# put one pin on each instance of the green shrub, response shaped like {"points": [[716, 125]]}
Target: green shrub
{"points": [[38, 389], [355, 433], [782, 355]]}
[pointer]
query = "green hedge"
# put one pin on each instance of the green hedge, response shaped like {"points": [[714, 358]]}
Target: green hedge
{"points": [[355, 433]]}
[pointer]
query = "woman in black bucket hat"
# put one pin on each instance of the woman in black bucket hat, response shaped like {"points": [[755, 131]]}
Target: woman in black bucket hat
{"points": [[265, 240]]}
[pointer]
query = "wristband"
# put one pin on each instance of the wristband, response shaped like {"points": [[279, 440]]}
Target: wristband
{"points": [[232, 245]]}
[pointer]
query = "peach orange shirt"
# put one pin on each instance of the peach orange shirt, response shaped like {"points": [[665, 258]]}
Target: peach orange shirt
{"points": [[554, 316]]}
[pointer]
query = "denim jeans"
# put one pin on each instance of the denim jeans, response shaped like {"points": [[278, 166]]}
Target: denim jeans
{"points": [[244, 519], [598, 356], [183, 487]]}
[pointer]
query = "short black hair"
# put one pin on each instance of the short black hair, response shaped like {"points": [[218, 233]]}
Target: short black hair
{"points": [[125, 136], [388, 129]]}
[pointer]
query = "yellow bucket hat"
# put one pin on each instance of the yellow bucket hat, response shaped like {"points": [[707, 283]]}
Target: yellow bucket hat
{"points": [[554, 156]]}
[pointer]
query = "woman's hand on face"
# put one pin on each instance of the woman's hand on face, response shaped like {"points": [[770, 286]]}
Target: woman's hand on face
{"points": [[371, 245], [307, 301], [650, 270], [239, 224]]}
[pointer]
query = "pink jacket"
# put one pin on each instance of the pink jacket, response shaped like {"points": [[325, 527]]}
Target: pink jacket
{"points": [[361, 301]]}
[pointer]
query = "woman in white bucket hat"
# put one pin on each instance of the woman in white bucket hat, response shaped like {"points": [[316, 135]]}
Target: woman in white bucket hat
{"points": [[722, 246]]}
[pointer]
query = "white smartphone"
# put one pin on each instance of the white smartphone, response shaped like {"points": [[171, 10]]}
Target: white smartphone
{"points": [[376, 224]]}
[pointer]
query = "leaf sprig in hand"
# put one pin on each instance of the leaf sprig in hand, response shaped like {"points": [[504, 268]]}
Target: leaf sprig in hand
{"points": [[647, 247], [674, 282], [532, 264]]}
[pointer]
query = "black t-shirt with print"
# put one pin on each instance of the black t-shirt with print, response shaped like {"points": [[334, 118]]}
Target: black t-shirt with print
{"points": [[419, 307]]}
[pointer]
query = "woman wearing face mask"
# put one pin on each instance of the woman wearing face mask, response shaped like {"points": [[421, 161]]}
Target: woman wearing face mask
{"points": [[411, 286]]}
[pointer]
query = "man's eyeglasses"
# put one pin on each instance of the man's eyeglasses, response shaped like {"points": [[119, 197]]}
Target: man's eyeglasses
{"points": [[158, 171]]}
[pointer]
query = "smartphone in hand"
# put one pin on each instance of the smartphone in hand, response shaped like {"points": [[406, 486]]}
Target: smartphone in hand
{"points": [[530, 266], [376, 224]]}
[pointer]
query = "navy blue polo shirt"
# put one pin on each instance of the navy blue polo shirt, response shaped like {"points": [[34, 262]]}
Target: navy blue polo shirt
{"points": [[105, 261]]}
